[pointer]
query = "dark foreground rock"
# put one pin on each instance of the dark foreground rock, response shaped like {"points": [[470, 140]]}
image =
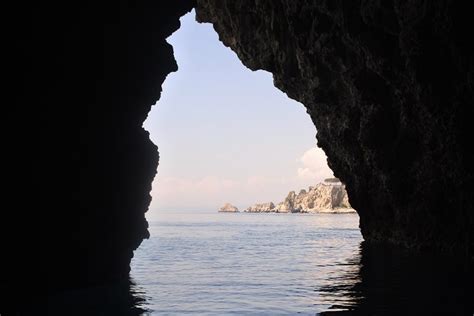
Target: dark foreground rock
{"points": [[94, 69]]}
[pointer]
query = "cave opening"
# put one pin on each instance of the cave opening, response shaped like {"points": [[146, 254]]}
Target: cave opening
{"points": [[226, 135]]}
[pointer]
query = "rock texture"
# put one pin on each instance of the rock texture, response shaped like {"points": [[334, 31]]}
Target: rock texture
{"points": [[228, 208], [261, 208], [327, 197], [320, 198], [389, 86]]}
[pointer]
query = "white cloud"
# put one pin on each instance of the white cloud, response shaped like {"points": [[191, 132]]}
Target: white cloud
{"points": [[315, 166]]}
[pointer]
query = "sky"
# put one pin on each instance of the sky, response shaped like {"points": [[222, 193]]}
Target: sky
{"points": [[225, 133]]}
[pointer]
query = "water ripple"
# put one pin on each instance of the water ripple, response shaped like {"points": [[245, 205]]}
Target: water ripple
{"points": [[246, 264]]}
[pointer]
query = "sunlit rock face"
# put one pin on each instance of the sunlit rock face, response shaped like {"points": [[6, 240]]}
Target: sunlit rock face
{"points": [[321, 198], [261, 208], [389, 86]]}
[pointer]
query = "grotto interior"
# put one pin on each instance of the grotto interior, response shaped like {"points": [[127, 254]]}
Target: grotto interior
{"points": [[388, 85]]}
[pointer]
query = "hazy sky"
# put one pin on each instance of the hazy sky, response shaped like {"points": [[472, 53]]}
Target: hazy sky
{"points": [[225, 133]]}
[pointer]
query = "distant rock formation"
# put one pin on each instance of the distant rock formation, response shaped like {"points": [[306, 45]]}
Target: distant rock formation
{"points": [[229, 208], [327, 197], [261, 207]]}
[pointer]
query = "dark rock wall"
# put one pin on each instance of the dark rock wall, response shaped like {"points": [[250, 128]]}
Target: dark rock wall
{"points": [[94, 69], [389, 86]]}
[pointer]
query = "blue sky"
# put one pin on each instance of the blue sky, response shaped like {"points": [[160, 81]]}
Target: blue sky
{"points": [[225, 133]]}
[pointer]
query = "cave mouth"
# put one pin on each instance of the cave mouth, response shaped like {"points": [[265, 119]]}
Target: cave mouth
{"points": [[225, 133], [357, 94]]}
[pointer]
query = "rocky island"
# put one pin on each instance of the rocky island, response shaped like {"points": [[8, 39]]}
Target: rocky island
{"points": [[329, 196], [228, 208]]}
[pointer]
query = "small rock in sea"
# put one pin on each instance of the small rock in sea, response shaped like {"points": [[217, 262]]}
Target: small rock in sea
{"points": [[229, 208]]}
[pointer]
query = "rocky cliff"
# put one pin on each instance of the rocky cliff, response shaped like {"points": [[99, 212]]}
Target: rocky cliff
{"points": [[261, 208], [389, 87], [324, 197]]}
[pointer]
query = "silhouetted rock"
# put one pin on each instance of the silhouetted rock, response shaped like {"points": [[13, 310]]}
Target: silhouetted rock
{"points": [[229, 208], [389, 87], [94, 69]]}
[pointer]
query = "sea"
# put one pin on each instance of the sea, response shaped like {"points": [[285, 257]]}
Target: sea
{"points": [[246, 263], [213, 263]]}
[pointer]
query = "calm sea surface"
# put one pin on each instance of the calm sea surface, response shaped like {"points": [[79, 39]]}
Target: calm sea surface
{"points": [[283, 264], [258, 264], [271, 264]]}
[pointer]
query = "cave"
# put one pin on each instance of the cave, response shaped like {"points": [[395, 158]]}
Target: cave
{"points": [[388, 85]]}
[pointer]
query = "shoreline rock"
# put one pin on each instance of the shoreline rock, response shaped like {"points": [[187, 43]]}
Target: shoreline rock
{"points": [[261, 208], [329, 196]]}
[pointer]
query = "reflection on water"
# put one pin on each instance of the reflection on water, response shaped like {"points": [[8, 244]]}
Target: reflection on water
{"points": [[246, 264], [264, 264], [274, 265], [338, 289], [393, 282], [125, 298]]}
